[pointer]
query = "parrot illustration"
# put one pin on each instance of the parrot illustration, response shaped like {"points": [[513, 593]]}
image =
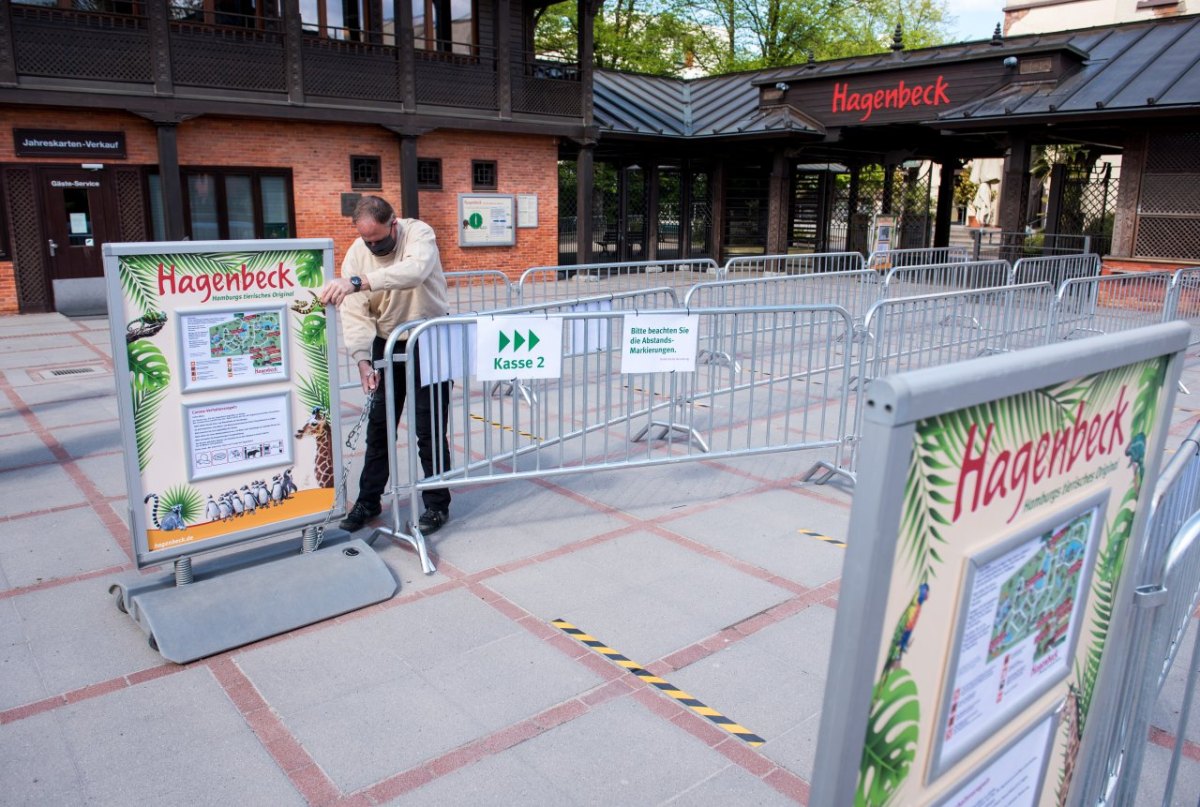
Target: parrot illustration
{"points": [[902, 637], [1136, 451]]}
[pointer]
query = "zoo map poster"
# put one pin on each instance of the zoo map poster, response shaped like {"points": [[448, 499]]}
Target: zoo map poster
{"points": [[1009, 526], [226, 384]]}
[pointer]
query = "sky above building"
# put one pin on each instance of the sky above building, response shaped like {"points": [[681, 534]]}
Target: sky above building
{"points": [[975, 19]]}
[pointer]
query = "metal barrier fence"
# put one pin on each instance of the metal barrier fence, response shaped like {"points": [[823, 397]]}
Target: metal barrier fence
{"points": [[479, 290], [856, 291], [1167, 594], [797, 264], [787, 390], [1185, 300], [548, 283], [887, 259], [466, 291], [1055, 269], [1099, 305], [906, 281], [909, 333]]}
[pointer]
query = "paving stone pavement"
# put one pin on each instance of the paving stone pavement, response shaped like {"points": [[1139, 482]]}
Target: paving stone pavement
{"points": [[459, 690]]}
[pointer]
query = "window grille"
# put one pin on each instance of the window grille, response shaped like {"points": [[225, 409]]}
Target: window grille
{"points": [[483, 175], [365, 172], [429, 174]]}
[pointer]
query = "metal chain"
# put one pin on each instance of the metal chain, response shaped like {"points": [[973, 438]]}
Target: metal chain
{"points": [[351, 443]]}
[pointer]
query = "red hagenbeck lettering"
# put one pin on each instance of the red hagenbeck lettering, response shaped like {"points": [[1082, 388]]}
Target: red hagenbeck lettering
{"points": [[242, 279], [898, 97], [1099, 435]]}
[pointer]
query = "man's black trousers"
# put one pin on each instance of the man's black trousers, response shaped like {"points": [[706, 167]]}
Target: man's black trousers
{"points": [[373, 480]]}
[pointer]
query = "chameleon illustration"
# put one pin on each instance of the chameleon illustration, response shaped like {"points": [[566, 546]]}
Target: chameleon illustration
{"points": [[144, 326], [307, 306]]}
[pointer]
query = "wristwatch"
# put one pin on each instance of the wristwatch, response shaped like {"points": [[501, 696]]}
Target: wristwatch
{"points": [[356, 282]]}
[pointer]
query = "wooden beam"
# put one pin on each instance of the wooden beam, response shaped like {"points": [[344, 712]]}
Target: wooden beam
{"points": [[585, 181], [160, 46], [172, 184], [1133, 164], [504, 60], [1014, 186], [293, 49], [406, 60], [8, 56], [778, 197], [409, 196], [945, 203]]}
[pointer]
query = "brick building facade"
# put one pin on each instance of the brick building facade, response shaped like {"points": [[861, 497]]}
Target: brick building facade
{"points": [[317, 157]]}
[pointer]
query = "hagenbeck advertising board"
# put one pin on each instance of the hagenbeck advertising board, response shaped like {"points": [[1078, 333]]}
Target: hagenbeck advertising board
{"points": [[224, 361], [996, 519]]}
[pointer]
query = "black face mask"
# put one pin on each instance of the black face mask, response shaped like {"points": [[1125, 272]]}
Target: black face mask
{"points": [[383, 246]]}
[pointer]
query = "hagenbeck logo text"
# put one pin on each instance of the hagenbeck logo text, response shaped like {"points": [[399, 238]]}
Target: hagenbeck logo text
{"points": [[1051, 455], [242, 279], [898, 97], [517, 340]]}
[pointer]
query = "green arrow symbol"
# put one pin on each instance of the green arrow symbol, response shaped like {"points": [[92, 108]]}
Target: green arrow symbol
{"points": [[503, 341], [533, 339], [518, 340]]}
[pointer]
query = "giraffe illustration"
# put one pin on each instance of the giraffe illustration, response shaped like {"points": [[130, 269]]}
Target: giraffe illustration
{"points": [[318, 427]]}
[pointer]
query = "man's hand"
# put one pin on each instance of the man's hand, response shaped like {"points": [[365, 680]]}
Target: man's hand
{"points": [[339, 289], [368, 376]]}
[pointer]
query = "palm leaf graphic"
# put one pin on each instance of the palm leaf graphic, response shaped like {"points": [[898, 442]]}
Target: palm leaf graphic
{"points": [[313, 389], [149, 377], [148, 367], [139, 279], [891, 743], [146, 402], [308, 263], [1110, 562], [187, 497]]}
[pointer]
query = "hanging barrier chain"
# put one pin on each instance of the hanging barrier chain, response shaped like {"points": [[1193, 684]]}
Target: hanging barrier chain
{"points": [[340, 491]]}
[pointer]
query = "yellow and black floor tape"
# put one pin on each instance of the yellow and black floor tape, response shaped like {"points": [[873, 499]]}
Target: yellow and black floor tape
{"points": [[825, 538], [482, 419], [741, 732]]}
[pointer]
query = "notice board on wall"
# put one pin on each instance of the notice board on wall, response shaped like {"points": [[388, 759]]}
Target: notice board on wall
{"points": [[486, 220]]}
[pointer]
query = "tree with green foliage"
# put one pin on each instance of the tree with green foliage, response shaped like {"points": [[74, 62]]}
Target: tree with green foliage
{"points": [[640, 36], [662, 37]]}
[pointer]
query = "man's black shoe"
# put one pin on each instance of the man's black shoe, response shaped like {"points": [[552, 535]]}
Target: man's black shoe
{"points": [[359, 515], [432, 520]]}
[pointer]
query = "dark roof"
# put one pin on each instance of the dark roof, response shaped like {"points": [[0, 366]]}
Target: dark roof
{"points": [[1135, 66], [1128, 68]]}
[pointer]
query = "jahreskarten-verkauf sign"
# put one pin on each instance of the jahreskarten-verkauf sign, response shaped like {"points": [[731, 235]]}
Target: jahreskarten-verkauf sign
{"points": [[68, 143], [996, 527], [225, 376]]}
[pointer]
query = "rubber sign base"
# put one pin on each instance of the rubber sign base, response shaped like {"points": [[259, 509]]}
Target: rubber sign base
{"points": [[233, 600]]}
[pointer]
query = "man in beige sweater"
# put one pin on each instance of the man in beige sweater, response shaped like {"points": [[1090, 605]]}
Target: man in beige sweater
{"points": [[392, 274]]}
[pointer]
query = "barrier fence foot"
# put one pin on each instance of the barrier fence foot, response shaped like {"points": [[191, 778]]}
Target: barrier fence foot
{"points": [[666, 428], [823, 472], [414, 539]]}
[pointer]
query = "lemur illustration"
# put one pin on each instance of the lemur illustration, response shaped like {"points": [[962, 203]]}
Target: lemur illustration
{"points": [[174, 518]]}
